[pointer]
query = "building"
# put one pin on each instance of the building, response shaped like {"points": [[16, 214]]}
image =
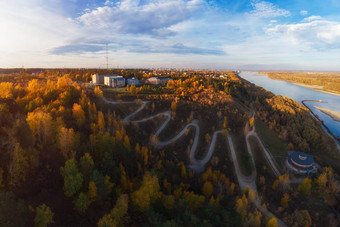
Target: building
{"points": [[133, 81], [299, 162], [97, 79], [157, 81], [153, 81], [114, 81]]}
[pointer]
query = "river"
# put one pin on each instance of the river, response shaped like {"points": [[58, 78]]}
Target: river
{"points": [[299, 93]]}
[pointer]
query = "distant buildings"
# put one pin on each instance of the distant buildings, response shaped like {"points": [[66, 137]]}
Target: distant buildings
{"points": [[299, 162], [97, 79], [157, 81], [114, 81], [133, 81]]}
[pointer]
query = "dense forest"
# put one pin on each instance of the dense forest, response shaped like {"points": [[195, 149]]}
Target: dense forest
{"points": [[67, 158], [328, 81]]}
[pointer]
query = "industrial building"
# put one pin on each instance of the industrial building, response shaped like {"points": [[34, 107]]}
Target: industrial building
{"points": [[98, 79], [299, 162], [134, 81], [114, 81]]}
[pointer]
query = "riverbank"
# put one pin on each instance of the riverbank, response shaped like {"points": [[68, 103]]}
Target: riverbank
{"points": [[315, 88], [333, 114]]}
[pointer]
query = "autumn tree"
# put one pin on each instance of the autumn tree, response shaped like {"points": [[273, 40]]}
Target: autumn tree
{"points": [[272, 222], [19, 166], [6, 89], [207, 188], [285, 200], [305, 187], [92, 193], [133, 89], [101, 121], [43, 216], [73, 179], [115, 217], [41, 125], [67, 141], [78, 114], [81, 203], [98, 92], [147, 193]]}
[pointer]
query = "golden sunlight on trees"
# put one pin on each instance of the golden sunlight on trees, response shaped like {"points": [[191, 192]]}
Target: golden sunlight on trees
{"points": [[41, 125], [98, 92], [101, 121], [78, 114], [67, 141], [43, 216], [34, 85], [6, 89]]}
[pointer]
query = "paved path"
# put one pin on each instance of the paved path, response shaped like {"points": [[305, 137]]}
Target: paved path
{"points": [[266, 152], [196, 165], [243, 180]]}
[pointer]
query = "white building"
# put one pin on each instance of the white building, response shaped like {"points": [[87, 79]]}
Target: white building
{"points": [[97, 79], [114, 81], [133, 81]]}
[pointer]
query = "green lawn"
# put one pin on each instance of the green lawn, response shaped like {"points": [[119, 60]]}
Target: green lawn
{"points": [[277, 148], [113, 90], [243, 157]]}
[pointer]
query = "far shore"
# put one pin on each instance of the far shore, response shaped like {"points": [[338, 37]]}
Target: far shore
{"points": [[333, 114], [316, 88]]}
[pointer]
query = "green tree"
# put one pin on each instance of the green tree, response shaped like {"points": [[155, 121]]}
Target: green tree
{"points": [[44, 216], [73, 179], [81, 203], [305, 187]]}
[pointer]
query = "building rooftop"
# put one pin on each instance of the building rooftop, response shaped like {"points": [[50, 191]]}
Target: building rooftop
{"points": [[301, 158]]}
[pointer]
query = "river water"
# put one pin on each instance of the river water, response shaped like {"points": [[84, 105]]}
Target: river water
{"points": [[299, 93]]}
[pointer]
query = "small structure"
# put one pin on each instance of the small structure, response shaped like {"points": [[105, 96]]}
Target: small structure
{"points": [[153, 81], [133, 81], [98, 79], [300, 162], [114, 80], [157, 81]]}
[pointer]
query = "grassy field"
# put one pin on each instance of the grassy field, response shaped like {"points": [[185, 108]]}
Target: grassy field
{"points": [[272, 142], [113, 90], [261, 163], [243, 157]]}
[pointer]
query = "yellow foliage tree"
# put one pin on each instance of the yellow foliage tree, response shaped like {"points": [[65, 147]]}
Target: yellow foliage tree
{"points": [[126, 143], [6, 89], [66, 142], [98, 92], [285, 200], [272, 222], [92, 193], [78, 114], [101, 121], [207, 189]]}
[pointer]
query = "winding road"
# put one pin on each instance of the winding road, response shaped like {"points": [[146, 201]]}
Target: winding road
{"points": [[198, 165]]}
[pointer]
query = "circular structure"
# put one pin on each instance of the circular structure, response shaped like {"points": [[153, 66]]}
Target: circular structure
{"points": [[300, 162]]}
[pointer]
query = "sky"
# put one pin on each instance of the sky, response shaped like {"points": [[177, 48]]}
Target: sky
{"points": [[199, 34]]}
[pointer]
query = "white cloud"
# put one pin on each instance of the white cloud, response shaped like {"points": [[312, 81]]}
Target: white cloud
{"points": [[312, 18], [265, 9], [303, 12], [319, 34], [129, 16]]}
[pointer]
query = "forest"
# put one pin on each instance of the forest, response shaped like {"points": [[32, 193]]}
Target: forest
{"points": [[328, 81], [68, 157]]}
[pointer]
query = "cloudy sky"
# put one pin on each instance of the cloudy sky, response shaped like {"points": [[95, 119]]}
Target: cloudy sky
{"points": [[220, 34]]}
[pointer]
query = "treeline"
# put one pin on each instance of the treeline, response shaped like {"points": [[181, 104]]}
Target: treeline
{"points": [[327, 80]]}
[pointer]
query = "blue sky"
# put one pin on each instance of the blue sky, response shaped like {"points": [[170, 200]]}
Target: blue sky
{"points": [[219, 34]]}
